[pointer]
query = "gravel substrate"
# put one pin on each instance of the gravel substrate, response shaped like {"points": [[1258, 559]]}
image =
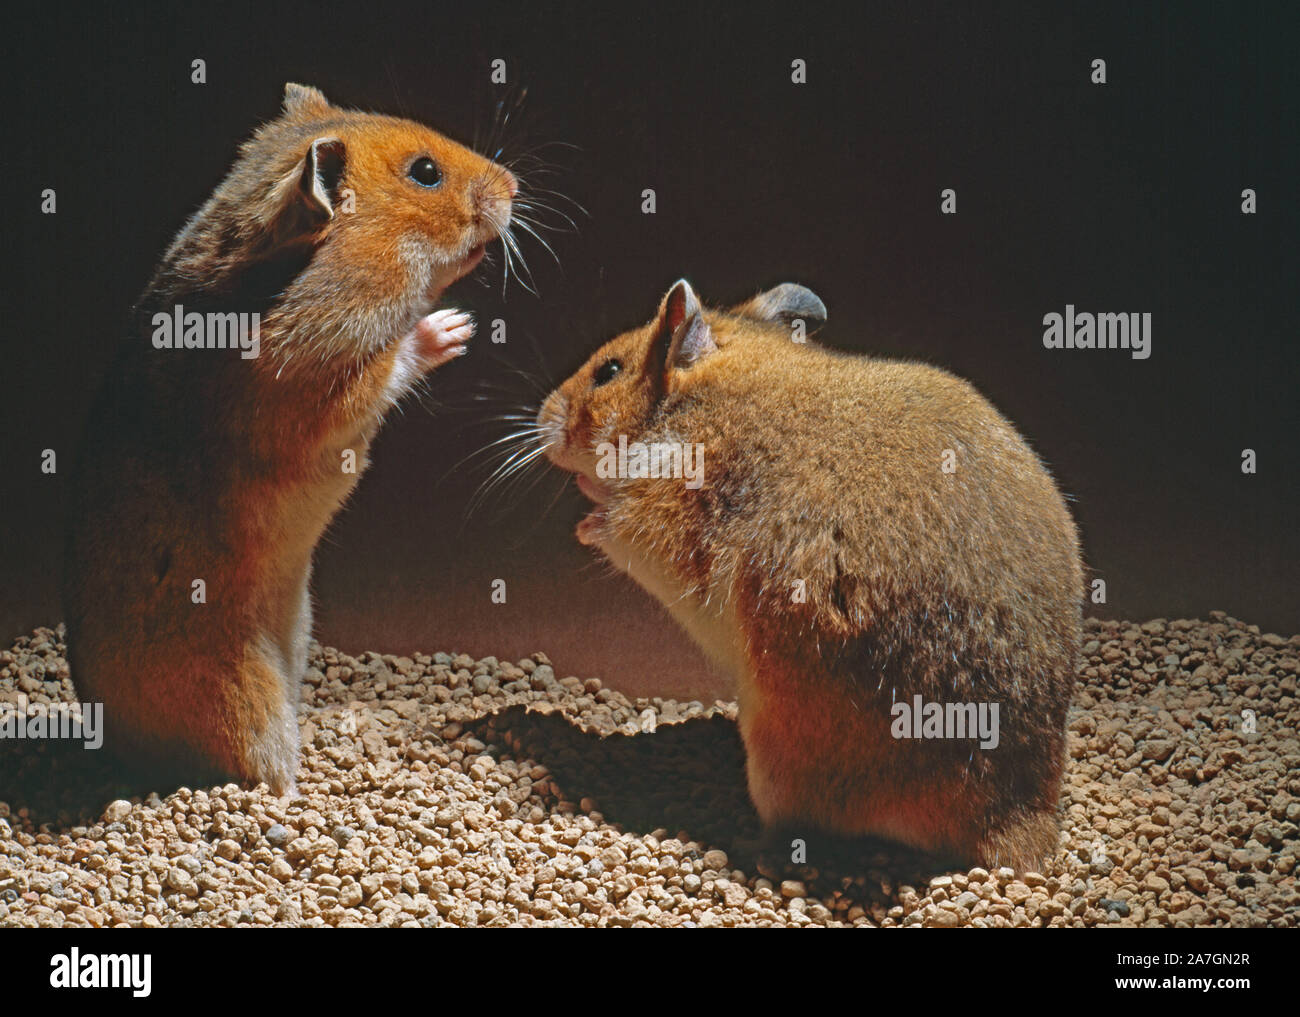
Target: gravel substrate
{"points": [[448, 791]]}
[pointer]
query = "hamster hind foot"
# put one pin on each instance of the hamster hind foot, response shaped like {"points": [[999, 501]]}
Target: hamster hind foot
{"points": [[263, 736]]}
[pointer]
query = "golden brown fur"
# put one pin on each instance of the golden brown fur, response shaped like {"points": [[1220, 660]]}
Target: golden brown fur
{"points": [[825, 468], [201, 464]]}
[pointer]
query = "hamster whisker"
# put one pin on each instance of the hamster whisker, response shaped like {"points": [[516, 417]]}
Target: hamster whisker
{"points": [[523, 268], [508, 235], [529, 448], [520, 418], [490, 389], [501, 118], [517, 461], [507, 392], [500, 466], [513, 251], [562, 224], [517, 437], [505, 112], [510, 495], [530, 164], [497, 395], [507, 239], [514, 442], [516, 420], [527, 227], [533, 209], [540, 380], [541, 146], [555, 498], [530, 201], [518, 493], [519, 429], [530, 168], [510, 248], [505, 260], [536, 383]]}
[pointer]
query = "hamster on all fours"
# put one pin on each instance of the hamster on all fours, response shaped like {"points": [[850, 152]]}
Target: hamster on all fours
{"points": [[851, 534], [207, 475]]}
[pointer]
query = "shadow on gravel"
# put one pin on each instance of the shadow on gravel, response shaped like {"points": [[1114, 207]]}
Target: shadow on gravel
{"points": [[689, 779], [62, 784], [685, 777]]}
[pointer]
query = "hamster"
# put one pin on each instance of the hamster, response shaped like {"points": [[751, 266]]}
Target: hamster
{"points": [[210, 468], [854, 540]]}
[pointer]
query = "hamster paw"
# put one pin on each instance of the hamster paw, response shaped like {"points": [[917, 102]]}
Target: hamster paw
{"points": [[441, 336]]}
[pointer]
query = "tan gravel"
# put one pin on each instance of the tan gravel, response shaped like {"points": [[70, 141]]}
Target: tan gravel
{"points": [[448, 791]]}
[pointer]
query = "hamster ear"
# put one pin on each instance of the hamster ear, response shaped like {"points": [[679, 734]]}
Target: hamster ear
{"points": [[304, 101], [681, 331], [788, 303], [320, 173], [304, 198]]}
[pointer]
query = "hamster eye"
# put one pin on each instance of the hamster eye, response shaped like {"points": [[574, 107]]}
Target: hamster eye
{"points": [[606, 371], [425, 172]]}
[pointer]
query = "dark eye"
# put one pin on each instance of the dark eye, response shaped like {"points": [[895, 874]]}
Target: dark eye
{"points": [[424, 171], [606, 371]]}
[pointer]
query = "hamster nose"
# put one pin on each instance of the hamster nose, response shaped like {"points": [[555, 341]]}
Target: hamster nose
{"points": [[490, 194]]}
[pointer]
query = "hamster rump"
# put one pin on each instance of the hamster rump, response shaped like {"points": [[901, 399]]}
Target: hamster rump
{"points": [[207, 475], [864, 543]]}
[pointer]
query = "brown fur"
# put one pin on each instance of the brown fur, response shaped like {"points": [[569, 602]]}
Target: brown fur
{"points": [[825, 467], [199, 464]]}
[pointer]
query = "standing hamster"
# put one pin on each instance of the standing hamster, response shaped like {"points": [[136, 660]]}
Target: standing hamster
{"points": [[288, 316], [868, 547]]}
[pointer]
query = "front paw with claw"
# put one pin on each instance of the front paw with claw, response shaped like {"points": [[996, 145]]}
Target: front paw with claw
{"points": [[442, 336]]}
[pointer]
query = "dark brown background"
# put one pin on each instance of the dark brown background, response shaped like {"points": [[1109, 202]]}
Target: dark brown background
{"points": [[1118, 198]]}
